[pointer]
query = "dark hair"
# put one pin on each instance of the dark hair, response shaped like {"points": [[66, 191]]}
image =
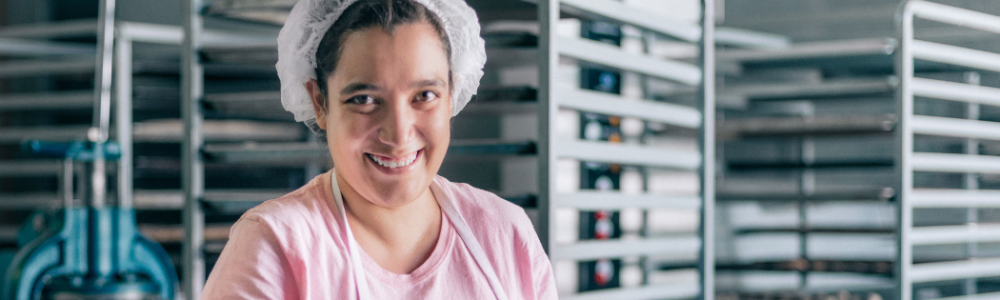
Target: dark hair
{"points": [[365, 14]]}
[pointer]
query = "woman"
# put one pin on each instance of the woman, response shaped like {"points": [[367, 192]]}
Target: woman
{"points": [[381, 79]]}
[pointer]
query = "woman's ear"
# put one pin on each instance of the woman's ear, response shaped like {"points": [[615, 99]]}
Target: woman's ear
{"points": [[318, 101]]}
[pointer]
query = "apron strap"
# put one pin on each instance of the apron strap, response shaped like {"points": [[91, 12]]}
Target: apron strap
{"points": [[470, 241], [361, 282]]}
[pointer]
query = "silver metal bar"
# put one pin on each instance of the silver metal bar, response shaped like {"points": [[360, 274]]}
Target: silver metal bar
{"points": [[957, 163], [244, 96], [174, 199], [596, 249], [706, 233], [952, 270], [174, 35], [752, 39], [30, 168], [938, 89], [904, 152], [74, 28], [47, 101], [249, 152], [123, 118], [604, 152], [548, 72], [736, 93], [26, 47], [612, 56], [970, 233], [638, 17], [222, 130], [33, 201], [983, 296], [644, 292], [949, 54], [806, 126], [54, 133], [611, 104], [963, 128], [957, 16], [597, 200], [192, 167], [48, 67], [812, 50], [955, 199]]}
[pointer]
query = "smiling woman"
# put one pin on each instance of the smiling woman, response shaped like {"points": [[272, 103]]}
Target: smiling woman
{"points": [[380, 81]]}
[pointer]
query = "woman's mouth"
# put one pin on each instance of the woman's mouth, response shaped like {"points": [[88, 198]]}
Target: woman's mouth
{"points": [[393, 163]]}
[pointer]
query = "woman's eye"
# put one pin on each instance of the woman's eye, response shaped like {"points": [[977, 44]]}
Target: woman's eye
{"points": [[426, 96], [361, 99]]}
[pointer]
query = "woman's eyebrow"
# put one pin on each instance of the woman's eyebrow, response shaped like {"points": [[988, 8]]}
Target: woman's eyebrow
{"points": [[429, 82], [356, 87]]}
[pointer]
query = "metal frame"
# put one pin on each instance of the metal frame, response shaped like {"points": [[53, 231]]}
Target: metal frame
{"points": [[909, 161], [550, 149]]}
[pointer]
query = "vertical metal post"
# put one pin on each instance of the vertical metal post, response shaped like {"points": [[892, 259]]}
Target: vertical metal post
{"points": [[707, 91], [191, 163], [102, 100], [904, 150], [99, 232], [548, 18], [66, 187], [123, 118], [971, 181]]}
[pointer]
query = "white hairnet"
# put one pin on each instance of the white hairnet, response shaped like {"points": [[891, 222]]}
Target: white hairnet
{"points": [[309, 20]]}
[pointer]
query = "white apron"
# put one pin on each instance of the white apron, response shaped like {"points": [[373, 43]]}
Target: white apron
{"points": [[457, 222]]}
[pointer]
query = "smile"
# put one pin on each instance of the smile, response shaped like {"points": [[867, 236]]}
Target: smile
{"points": [[393, 163]]}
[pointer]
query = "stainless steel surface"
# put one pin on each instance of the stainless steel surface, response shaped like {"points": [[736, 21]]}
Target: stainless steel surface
{"points": [[27, 47], [102, 104], [192, 168], [611, 104], [123, 119], [923, 87], [595, 200], [46, 67], [628, 154], [591, 250], [634, 16], [596, 52], [48, 100]]}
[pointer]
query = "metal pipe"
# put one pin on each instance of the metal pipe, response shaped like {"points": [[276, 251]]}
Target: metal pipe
{"points": [[192, 175], [102, 100], [123, 118], [971, 181], [548, 60], [707, 91], [904, 150]]}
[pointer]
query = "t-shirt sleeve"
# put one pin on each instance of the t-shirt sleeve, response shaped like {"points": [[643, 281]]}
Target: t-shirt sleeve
{"points": [[545, 284], [252, 266]]}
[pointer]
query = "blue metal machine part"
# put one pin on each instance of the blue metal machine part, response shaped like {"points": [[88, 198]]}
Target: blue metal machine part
{"points": [[85, 251]]}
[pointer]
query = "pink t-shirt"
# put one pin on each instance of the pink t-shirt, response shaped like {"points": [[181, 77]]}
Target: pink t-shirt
{"points": [[294, 247]]}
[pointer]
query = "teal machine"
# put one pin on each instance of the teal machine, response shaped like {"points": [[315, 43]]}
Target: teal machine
{"points": [[86, 252], [91, 250]]}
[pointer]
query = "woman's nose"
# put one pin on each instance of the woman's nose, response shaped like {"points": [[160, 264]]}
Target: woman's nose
{"points": [[398, 124]]}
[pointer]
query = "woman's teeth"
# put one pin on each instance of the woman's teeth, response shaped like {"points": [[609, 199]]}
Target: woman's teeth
{"points": [[394, 163]]}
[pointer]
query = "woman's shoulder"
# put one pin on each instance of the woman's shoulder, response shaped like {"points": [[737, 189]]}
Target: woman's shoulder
{"points": [[485, 210], [305, 206]]}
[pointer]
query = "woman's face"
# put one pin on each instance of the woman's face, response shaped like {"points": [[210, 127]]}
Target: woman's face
{"points": [[388, 112]]}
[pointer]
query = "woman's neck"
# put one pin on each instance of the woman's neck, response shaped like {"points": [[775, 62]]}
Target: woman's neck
{"points": [[399, 239]]}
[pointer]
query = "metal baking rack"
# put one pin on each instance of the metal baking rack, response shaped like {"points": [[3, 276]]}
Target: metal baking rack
{"points": [[922, 167], [930, 186], [696, 117], [803, 137]]}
